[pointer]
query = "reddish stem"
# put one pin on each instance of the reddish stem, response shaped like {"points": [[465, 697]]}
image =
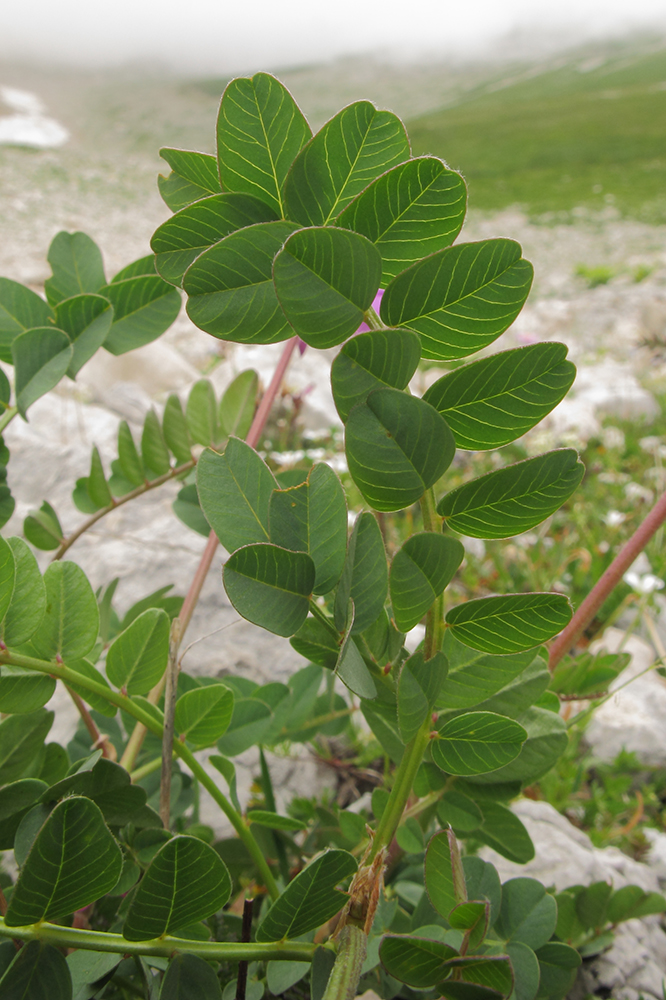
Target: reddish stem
{"points": [[606, 584]]}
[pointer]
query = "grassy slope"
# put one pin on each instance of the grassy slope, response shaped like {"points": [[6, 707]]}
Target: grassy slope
{"points": [[578, 134]]}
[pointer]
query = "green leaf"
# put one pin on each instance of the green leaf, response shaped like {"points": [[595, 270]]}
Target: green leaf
{"points": [[273, 821], [475, 676], [483, 882], [203, 714], [41, 357], [238, 404], [228, 770], [558, 966], [528, 913], [316, 643], [16, 799], [420, 571], [98, 488], [153, 447], [459, 811], [137, 658], [189, 977], [96, 701], [174, 429], [514, 499], [128, 456], [270, 586], [310, 899], [76, 262], [70, 624], [20, 309], [235, 491], [375, 360], [491, 402], [504, 832], [24, 690], [7, 576], [632, 901], [419, 685], [230, 287], [201, 413], [364, 578], [546, 742], [138, 268], [510, 623], [592, 906], [180, 240], [409, 836], [107, 784], [186, 881], [193, 176], [409, 212], [397, 447], [250, 721], [382, 719], [281, 976], [419, 962], [260, 129], [312, 518], [39, 972], [444, 874], [521, 692], [187, 508], [73, 861], [42, 527], [86, 319], [477, 742], [350, 665], [526, 970], [87, 968], [325, 280], [461, 299], [28, 600], [144, 307], [349, 152]]}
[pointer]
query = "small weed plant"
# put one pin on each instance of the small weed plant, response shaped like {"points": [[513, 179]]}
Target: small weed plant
{"points": [[121, 891]]}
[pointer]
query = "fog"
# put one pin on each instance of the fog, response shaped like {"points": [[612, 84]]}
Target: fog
{"points": [[215, 36]]}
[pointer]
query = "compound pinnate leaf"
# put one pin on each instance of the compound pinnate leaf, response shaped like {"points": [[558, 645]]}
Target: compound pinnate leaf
{"points": [[349, 152], [238, 404], [420, 570], [419, 962], [73, 861], [235, 491], [203, 714], [419, 685], [505, 833], [444, 873], [28, 598], [514, 499], [364, 578], [189, 977], [528, 913], [86, 319], [374, 360], [546, 742], [76, 262], [270, 586], [143, 308], [137, 658], [70, 624], [397, 447], [38, 972], [491, 402], [310, 899], [325, 279], [21, 309], [460, 299], [312, 518], [230, 287], [185, 882], [40, 357], [260, 130], [510, 623], [193, 176], [477, 742], [180, 240], [409, 212]]}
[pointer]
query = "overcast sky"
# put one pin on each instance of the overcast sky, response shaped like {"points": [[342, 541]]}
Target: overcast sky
{"points": [[218, 36]]}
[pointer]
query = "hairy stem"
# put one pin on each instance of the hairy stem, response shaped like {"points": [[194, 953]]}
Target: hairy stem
{"points": [[345, 974], [70, 937], [402, 789], [435, 617], [169, 713], [607, 582]]}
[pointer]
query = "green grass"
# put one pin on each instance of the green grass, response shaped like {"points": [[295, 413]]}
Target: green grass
{"points": [[561, 140]]}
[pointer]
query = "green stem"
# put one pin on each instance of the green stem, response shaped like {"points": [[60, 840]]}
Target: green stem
{"points": [[146, 769], [346, 972], [7, 417], [317, 613], [373, 320], [70, 937], [402, 789], [435, 617]]}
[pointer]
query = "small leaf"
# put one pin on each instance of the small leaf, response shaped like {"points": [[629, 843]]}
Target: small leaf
{"points": [[42, 528], [73, 862], [143, 308], [420, 571], [98, 488], [491, 402], [153, 447], [87, 968], [419, 685], [483, 882], [24, 690], [526, 970], [174, 429], [528, 914], [632, 901], [310, 899], [70, 625], [21, 309], [186, 507], [461, 299], [316, 643], [325, 279], [350, 665], [201, 413], [546, 742], [38, 972], [397, 447], [345, 155], [238, 404], [250, 721], [477, 742], [234, 491], [86, 319], [510, 623], [364, 578], [76, 262], [230, 287], [419, 962], [41, 357], [270, 586], [16, 799], [281, 976], [493, 974], [444, 874], [514, 499], [137, 658], [7, 576], [203, 714], [591, 907], [273, 821], [504, 832], [137, 269], [28, 600], [186, 881], [460, 812], [189, 977], [228, 770], [193, 176], [558, 966], [475, 676], [129, 457], [374, 360]]}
